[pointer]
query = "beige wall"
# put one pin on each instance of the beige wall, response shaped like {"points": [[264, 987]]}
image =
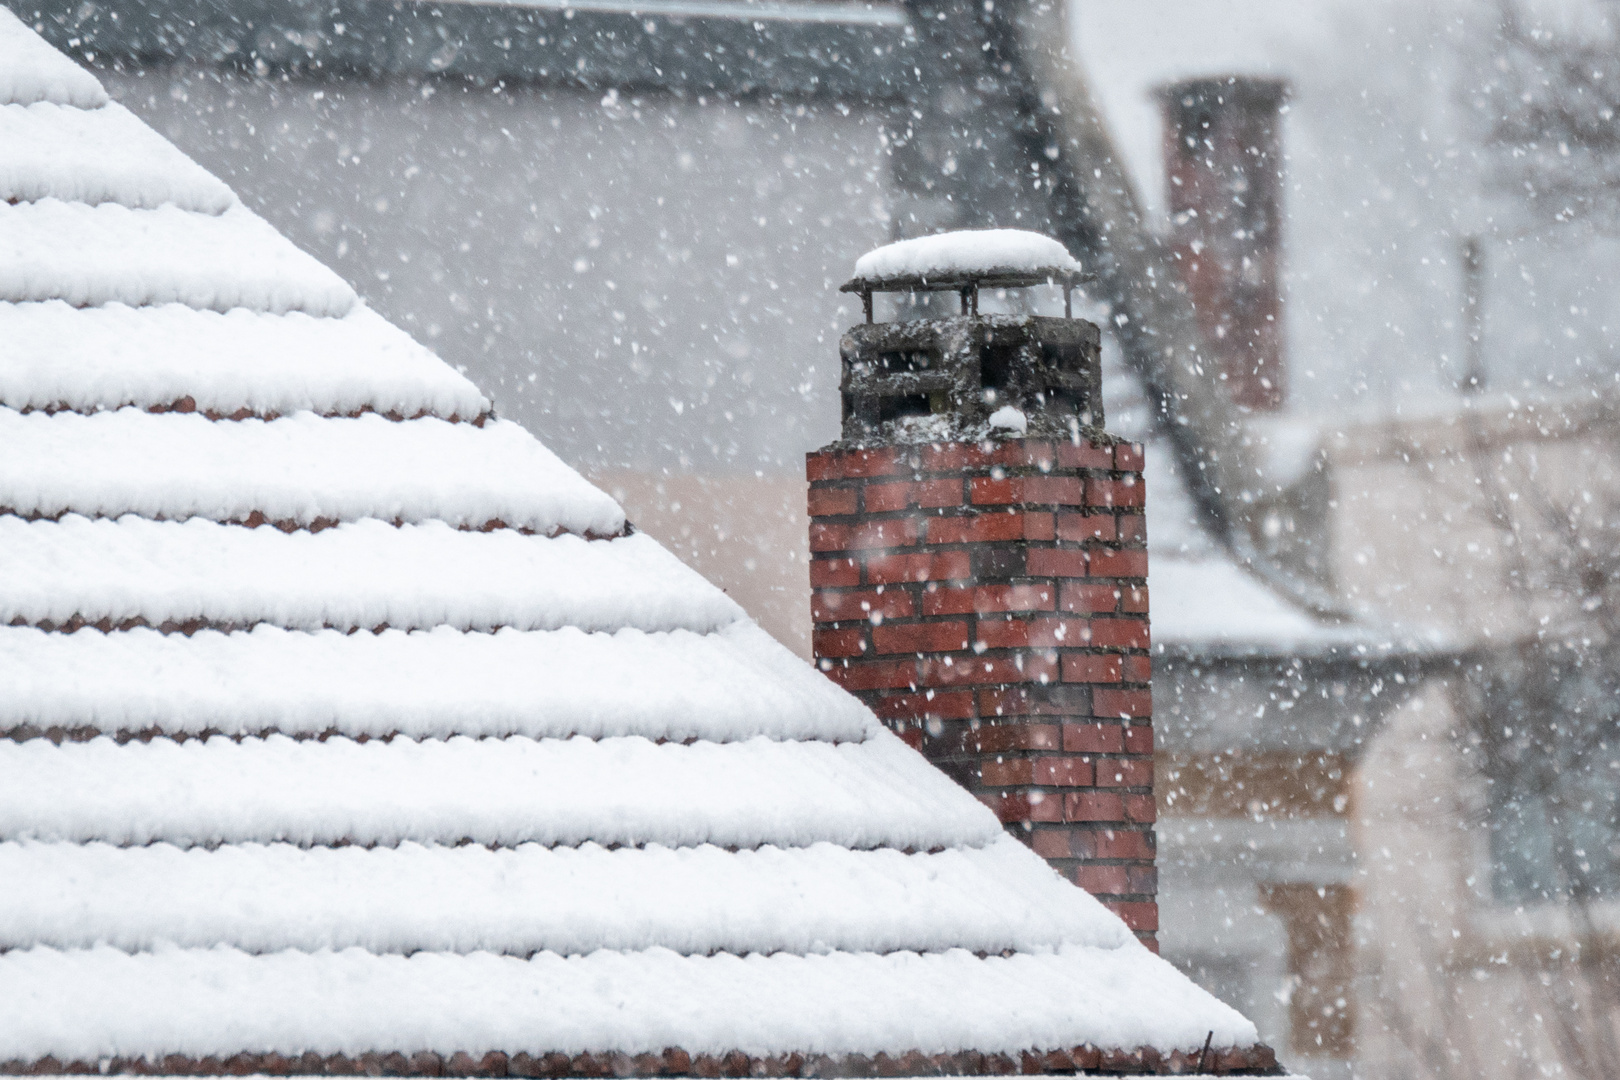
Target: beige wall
{"points": [[747, 534]]}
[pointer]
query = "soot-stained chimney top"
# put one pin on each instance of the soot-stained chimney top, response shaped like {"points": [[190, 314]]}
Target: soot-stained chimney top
{"points": [[964, 377]]}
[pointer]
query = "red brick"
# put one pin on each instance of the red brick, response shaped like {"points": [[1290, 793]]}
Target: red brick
{"points": [[1130, 491], [1142, 879], [927, 494], [1003, 633], [1107, 880], [852, 464], [948, 600], [1000, 738], [1119, 633], [1125, 772], [830, 536], [1142, 915], [827, 501], [971, 670], [1039, 633], [1041, 455], [912, 737], [920, 566], [1084, 456], [839, 642], [1119, 564], [1138, 669], [833, 573], [831, 606], [1126, 492], [882, 497], [1080, 527], [1056, 562], [954, 457], [933, 494], [1012, 806], [951, 705], [882, 534], [1093, 806], [1018, 701], [1122, 844], [875, 674], [1008, 772], [1139, 739], [826, 536], [988, 598], [1059, 633], [1042, 490], [1014, 598], [994, 491], [1089, 597], [1109, 702], [1087, 668], [1063, 772], [1128, 456], [1141, 809], [982, 528], [1132, 529], [1050, 843], [1134, 599], [920, 637], [1093, 738], [1054, 490]]}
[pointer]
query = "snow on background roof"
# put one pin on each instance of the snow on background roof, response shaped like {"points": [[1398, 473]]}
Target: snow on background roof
{"points": [[968, 251], [1203, 600], [338, 717]]}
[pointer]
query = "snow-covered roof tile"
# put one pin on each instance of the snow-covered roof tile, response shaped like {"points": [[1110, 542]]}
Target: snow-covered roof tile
{"points": [[424, 685], [111, 253], [362, 575], [50, 151], [484, 791], [531, 898], [204, 1002], [33, 71], [55, 356], [296, 470], [387, 737]]}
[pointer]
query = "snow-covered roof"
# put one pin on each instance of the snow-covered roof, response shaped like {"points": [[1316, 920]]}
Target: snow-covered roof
{"points": [[338, 717], [1205, 603]]}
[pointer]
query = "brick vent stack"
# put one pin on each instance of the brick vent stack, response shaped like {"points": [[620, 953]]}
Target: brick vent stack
{"points": [[989, 602]]}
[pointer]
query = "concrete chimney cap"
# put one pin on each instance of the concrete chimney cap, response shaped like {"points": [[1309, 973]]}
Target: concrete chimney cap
{"points": [[969, 258]]}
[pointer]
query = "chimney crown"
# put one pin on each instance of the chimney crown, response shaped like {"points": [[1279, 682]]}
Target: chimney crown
{"points": [[965, 377]]}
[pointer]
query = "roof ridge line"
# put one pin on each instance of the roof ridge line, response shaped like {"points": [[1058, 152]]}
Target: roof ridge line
{"points": [[187, 405], [257, 519], [1086, 1059], [353, 845], [15, 201], [59, 734]]}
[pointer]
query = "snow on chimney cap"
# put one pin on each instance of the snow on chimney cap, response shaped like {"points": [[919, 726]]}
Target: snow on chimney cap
{"points": [[998, 258]]}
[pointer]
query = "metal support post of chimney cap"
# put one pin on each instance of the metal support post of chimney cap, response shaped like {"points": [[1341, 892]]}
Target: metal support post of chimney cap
{"points": [[967, 284]]}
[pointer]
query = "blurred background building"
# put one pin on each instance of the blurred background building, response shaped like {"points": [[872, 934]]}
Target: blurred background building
{"points": [[1353, 260]]}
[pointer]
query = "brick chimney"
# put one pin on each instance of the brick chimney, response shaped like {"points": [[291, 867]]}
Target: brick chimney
{"points": [[1223, 163], [984, 589]]}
